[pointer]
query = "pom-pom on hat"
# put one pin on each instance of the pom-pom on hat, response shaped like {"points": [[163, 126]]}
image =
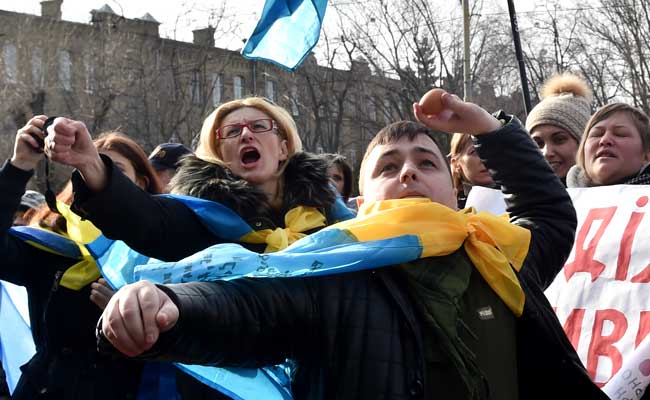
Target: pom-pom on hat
{"points": [[566, 103]]}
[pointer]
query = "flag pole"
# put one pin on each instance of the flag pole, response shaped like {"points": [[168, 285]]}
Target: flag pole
{"points": [[520, 57], [467, 83]]}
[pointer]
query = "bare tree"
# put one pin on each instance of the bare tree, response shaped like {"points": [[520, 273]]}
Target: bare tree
{"points": [[623, 28]]}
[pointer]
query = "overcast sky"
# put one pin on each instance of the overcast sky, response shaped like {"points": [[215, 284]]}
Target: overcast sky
{"points": [[178, 17]]}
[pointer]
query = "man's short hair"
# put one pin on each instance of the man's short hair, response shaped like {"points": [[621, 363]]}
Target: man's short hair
{"points": [[394, 133]]}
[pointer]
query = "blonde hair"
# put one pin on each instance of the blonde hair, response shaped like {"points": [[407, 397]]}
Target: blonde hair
{"points": [[459, 142], [209, 149]]}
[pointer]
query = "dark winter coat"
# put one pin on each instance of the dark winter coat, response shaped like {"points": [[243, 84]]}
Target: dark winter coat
{"points": [[166, 229], [361, 335], [66, 364]]}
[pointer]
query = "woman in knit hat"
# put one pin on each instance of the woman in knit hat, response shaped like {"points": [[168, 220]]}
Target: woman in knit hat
{"points": [[557, 122]]}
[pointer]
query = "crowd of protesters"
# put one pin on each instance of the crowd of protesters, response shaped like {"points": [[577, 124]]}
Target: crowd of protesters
{"points": [[404, 327]]}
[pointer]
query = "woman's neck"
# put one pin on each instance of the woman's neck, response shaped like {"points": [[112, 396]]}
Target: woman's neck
{"points": [[273, 192]]}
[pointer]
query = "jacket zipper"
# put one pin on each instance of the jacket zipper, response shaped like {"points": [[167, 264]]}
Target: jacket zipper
{"points": [[57, 280]]}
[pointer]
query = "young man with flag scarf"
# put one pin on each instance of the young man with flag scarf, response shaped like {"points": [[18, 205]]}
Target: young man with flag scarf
{"points": [[434, 303]]}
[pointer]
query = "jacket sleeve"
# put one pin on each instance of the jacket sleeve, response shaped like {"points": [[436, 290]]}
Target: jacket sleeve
{"points": [[535, 198], [20, 263], [239, 323], [155, 226]]}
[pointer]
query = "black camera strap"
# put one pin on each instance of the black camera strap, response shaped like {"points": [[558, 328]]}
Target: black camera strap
{"points": [[50, 197]]}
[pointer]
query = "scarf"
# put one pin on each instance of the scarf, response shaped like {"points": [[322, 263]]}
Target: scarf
{"points": [[384, 233], [70, 245]]}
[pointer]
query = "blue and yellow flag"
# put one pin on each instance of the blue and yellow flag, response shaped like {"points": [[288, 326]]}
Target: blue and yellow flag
{"points": [[384, 233], [286, 32], [16, 343]]}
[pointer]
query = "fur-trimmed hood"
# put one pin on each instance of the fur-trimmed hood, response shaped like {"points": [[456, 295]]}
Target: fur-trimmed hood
{"points": [[305, 182]]}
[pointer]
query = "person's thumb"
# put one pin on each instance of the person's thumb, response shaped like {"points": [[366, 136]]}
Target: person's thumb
{"points": [[167, 316], [453, 102]]}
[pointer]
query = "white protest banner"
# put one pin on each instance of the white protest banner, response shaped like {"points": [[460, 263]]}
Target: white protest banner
{"points": [[633, 377], [486, 199], [602, 296]]}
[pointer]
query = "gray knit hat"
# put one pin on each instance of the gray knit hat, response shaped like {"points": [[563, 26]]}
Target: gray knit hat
{"points": [[31, 199], [566, 103]]}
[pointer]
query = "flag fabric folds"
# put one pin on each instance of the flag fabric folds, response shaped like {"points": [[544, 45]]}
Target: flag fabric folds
{"points": [[384, 234], [16, 344], [286, 32]]}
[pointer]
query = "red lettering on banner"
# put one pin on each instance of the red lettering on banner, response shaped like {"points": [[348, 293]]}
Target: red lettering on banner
{"points": [[573, 325], [643, 276], [644, 328], [625, 251], [584, 258], [603, 346]]}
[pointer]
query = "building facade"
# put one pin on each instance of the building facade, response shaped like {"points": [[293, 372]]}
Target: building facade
{"points": [[117, 73]]}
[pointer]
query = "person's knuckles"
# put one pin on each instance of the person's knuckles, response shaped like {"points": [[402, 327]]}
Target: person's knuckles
{"points": [[129, 312]]}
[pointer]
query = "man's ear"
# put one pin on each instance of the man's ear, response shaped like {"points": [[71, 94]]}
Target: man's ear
{"points": [[359, 201]]}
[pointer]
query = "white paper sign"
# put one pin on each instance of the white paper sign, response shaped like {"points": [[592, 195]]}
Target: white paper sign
{"points": [[602, 296]]}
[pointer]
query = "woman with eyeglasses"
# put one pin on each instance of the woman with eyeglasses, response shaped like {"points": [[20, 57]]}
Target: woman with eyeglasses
{"points": [[249, 159]]}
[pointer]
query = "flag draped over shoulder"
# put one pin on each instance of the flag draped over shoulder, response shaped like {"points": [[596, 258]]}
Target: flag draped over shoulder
{"points": [[16, 343], [385, 233], [286, 32]]}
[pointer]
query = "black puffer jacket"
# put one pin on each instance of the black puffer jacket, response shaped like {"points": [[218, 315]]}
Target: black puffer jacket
{"points": [[360, 335], [166, 229], [66, 364]]}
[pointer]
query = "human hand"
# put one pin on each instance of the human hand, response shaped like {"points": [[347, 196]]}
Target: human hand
{"points": [[28, 151], [136, 315], [68, 142], [100, 293], [458, 116]]}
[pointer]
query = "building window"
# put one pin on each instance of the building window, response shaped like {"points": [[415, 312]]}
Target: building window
{"points": [[352, 157], [90, 73], [295, 110], [238, 87], [348, 107], [388, 115], [9, 55], [216, 89], [334, 110], [372, 109], [195, 87], [270, 90], [65, 69], [38, 70]]}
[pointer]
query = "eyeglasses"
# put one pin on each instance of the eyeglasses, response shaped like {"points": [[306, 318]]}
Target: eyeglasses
{"points": [[234, 130]]}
